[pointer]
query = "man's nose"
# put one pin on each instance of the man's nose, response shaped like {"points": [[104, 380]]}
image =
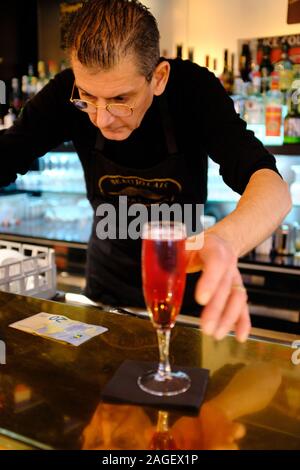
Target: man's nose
{"points": [[104, 118]]}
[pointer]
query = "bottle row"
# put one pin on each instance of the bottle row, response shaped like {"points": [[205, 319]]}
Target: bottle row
{"points": [[265, 92], [266, 95], [253, 61], [273, 116], [250, 67], [20, 90]]}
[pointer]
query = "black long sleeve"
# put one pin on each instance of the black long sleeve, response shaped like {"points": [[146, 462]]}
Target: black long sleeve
{"points": [[43, 125]]}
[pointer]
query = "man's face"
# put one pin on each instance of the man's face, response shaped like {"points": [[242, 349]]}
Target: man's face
{"points": [[122, 84]]}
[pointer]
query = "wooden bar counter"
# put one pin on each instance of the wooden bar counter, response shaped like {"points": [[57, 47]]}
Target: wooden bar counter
{"points": [[50, 392]]}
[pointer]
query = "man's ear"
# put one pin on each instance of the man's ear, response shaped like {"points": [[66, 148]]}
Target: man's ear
{"points": [[160, 77]]}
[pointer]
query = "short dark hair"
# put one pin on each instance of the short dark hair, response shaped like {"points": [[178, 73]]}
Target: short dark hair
{"points": [[104, 31]]}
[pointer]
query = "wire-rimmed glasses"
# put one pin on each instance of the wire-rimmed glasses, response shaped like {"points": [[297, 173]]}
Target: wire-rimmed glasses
{"points": [[116, 109]]}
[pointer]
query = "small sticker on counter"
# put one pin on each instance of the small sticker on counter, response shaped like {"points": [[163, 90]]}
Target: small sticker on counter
{"points": [[59, 328]]}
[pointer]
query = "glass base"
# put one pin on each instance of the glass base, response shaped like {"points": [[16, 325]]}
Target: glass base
{"points": [[174, 384]]}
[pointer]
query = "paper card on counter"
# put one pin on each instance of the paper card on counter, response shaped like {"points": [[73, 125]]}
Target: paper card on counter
{"points": [[59, 327]]}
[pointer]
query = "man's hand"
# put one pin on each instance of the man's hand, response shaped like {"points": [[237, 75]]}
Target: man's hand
{"points": [[220, 289], [211, 430]]}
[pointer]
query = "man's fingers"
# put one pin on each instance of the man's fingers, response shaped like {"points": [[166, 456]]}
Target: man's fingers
{"points": [[213, 311], [243, 326], [220, 263], [232, 312], [221, 290]]}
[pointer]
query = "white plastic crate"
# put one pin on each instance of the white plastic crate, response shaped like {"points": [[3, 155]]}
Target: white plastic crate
{"points": [[34, 275]]}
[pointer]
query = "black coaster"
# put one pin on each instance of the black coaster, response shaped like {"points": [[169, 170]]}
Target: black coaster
{"points": [[123, 387]]}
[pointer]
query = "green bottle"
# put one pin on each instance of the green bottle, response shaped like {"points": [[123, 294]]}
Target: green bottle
{"points": [[292, 120]]}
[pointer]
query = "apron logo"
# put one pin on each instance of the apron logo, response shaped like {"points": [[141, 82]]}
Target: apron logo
{"points": [[140, 190]]}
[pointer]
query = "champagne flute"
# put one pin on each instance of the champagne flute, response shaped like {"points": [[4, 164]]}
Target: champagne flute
{"points": [[163, 270]]}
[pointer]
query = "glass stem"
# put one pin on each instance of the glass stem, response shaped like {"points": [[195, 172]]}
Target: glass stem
{"points": [[163, 421], [164, 369]]}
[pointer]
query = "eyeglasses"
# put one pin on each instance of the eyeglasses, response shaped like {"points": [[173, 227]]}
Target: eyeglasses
{"points": [[116, 109]]}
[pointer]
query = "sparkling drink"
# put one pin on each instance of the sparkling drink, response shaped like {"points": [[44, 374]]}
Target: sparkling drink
{"points": [[163, 279]]}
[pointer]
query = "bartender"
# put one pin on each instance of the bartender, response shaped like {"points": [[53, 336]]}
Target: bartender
{"points": [[143, 127]]}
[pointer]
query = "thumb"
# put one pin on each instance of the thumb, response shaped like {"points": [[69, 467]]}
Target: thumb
{"points": [[213, 273]]}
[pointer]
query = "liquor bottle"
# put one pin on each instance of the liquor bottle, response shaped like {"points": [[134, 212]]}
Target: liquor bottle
{"points": [[64, 65], [31, 82], [274, 112], [227, 77], [41, 70], [42, 78], [255, 108], [239, 96], [9, 118], [245, 63], [179, 51], [25, 88], [215, 66], [33, 87], [15, 97], [191, 54], [266, 68], [233, 65], [292, 120], [52, 69], [285, 69], [207, 61], [30, 70]]}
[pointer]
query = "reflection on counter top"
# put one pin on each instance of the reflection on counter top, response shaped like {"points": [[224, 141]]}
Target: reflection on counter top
{"points": [[50, 392]]}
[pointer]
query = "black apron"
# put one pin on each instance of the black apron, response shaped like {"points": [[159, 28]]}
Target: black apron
{"points": [[113, 270]]}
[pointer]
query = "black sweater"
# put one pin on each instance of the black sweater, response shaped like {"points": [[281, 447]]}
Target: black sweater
{"points": [[204, 119]]}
